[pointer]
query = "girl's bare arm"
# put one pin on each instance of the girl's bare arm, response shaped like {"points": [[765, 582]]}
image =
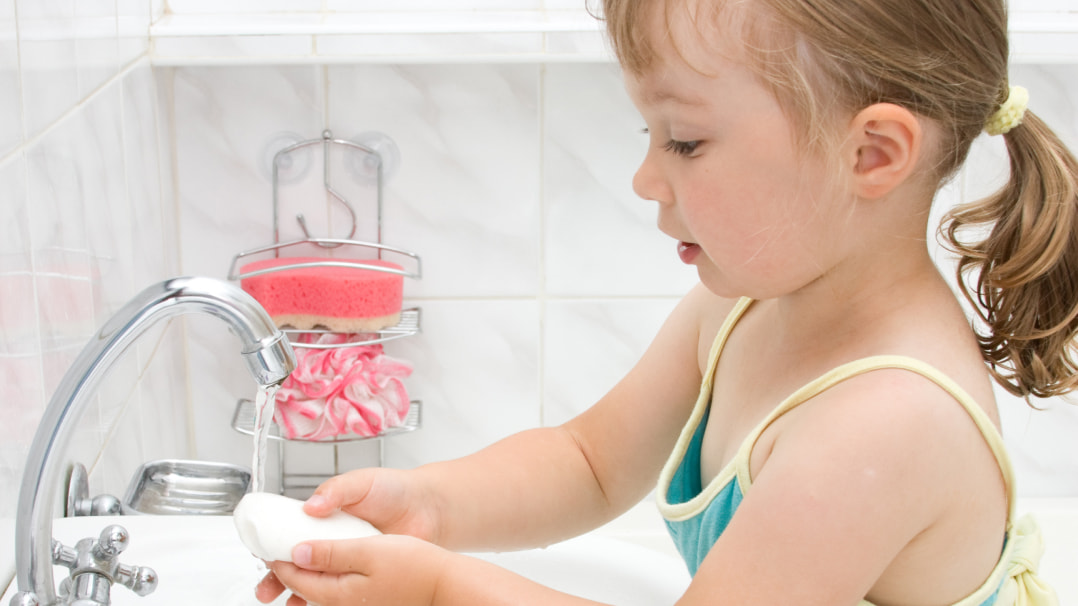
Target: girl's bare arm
{"points": [[547, 484]]}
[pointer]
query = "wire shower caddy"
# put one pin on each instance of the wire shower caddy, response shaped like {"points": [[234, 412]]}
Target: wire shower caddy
{"points": [[243, 418]]}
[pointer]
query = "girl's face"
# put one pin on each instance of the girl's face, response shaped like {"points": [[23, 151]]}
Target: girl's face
{"points": [[755, 216]]}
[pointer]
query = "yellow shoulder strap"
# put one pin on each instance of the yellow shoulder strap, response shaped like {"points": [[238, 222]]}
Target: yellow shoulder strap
{"points": [[681, 511], [852, 369]]}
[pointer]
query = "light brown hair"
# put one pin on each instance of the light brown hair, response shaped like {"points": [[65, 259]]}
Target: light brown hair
{"points": [[944, 60]]}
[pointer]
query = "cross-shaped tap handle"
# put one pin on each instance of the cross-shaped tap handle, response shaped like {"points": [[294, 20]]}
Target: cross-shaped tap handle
{"points": [[95, 566]]}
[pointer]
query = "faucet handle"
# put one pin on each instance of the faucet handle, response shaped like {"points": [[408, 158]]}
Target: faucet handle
{"points": [[111, 542], [24, 598], [64, 556], [95, 566], [79, 502], [140, 579]]}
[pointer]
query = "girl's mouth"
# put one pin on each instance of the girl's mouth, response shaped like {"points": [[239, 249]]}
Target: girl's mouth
{"points": [[687, 252]]}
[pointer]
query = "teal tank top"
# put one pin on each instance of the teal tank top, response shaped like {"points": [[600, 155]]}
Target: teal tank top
{"points": [[696, 514]]}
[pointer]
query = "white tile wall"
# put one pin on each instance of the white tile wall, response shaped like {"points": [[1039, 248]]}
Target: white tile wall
{"points": [[21, 385], [589, 344], [544, 276], [133, 18], [10, 89], [477, 372], [600, 239], [47, 61], [85, 221], [487, 192], [96, 43], [467, 194], [532, 162]]}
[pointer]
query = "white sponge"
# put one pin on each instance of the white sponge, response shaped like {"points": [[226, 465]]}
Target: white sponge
{"points": [[270, 525]]}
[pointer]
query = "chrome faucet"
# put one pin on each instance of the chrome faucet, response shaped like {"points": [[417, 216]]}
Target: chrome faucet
{"points": [[269, 359]]}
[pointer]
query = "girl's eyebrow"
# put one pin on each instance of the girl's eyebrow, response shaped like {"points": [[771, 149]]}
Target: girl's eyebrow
{"points": [[662, 96], [657, 91]]}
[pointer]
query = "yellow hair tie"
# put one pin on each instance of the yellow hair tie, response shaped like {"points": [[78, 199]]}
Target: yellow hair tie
{"points": [[1010, 114]]}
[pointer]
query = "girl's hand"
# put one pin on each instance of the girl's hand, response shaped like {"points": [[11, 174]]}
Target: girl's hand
{"points": [[388, 569], [394, 501]]}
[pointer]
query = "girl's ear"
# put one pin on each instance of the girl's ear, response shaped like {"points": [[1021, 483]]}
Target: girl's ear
{"points": [[884, 148]]}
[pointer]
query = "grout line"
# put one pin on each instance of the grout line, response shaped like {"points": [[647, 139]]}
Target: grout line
{"points": [[173, 161], [128, 401], [167, 123], [71, 111], [20, 150], [18, 67], [189, 409], [542, 294], [34, 293]]}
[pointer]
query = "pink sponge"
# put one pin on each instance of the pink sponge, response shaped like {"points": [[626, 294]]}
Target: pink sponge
{"points": [[342, 299]]}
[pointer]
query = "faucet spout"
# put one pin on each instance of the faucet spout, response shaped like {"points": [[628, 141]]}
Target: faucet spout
{"points": [[266, 350]]}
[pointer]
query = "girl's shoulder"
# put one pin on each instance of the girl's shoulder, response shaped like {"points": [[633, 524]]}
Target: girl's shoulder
{"points": [[708, 312], [893, 443]]}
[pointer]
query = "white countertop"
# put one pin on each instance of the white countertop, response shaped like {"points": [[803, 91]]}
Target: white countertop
{"points": [[464, 36]]}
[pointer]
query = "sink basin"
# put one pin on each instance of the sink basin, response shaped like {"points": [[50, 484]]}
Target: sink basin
{"points": [[200, 560]]}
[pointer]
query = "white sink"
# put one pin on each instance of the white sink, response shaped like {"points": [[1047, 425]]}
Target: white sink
{"points": [[200, 560]]}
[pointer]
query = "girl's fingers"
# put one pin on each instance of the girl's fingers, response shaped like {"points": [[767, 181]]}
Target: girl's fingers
{"points": [[310, 587], [380, 569], [297, 580], [338, 492], [332, 556], [268, 588]]}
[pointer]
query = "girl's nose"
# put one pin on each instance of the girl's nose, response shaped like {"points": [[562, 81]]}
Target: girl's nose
{"points": [[648, 182]]}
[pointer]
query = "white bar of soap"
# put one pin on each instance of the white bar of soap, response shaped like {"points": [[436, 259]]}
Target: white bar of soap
{"points": [[270, 525]]}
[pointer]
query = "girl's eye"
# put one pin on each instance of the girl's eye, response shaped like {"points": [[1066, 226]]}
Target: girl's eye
{"points": [[681, 148]]}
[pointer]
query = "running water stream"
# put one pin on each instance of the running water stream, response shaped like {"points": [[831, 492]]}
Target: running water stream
{"points": [[265, 403]]}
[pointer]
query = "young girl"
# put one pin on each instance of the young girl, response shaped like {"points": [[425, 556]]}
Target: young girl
{"points": [[818, 412]]}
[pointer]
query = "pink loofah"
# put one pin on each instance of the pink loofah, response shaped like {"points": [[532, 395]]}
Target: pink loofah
{"points": [[346, 390]]}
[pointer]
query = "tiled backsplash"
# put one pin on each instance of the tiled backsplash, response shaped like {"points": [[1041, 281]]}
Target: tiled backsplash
{"points": [[514, 188], [86, 218], [544, 277]]}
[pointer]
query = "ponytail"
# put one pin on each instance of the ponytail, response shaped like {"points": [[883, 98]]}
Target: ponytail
{"points": [[1022, 279]]}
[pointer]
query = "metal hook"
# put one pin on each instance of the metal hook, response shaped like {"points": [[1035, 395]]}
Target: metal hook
{"points": [[327, 138]]}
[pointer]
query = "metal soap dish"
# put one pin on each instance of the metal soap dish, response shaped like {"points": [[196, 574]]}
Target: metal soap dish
{"points": [[178, 487]]}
